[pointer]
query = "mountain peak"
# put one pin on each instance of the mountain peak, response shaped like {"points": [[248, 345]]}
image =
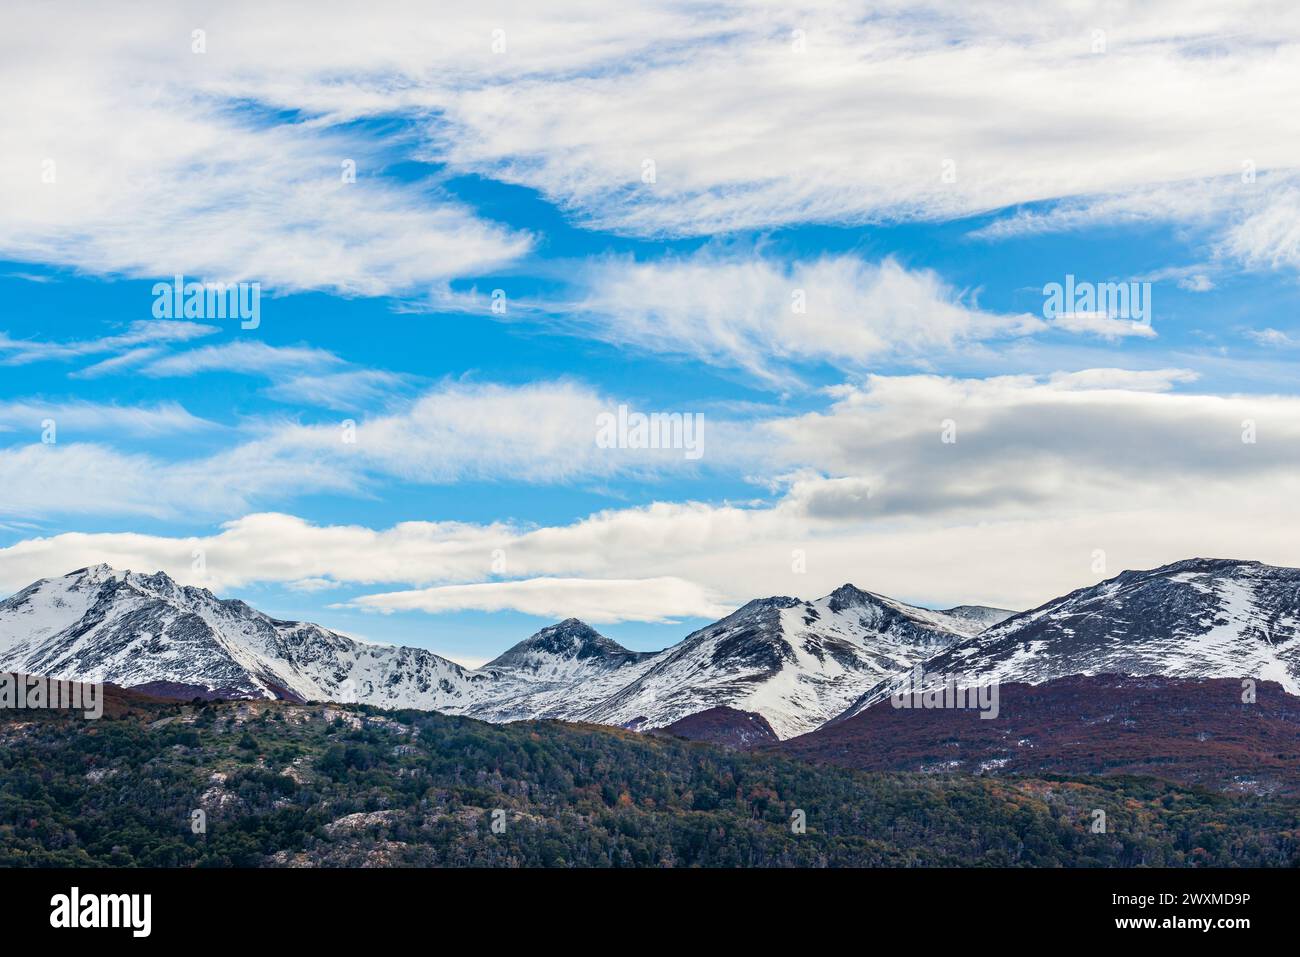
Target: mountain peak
{"points": [[96, 573], [104, 572], [569, 640], [576, 625], [763, 604], [157, 584], [849, 595], [1197, 619], [1201, 565], [158, 579]]}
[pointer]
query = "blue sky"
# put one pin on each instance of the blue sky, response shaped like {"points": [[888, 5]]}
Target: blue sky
{"points": [[475, 505]]}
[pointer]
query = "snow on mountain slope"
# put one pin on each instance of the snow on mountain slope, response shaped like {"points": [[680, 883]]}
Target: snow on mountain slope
{"points": [[975, 618], [1198, 618], [559, 672], [45, 608], [97, 624], [796, 663]]}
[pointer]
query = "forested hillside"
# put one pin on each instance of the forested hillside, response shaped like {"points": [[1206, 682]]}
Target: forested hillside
{"points": [[282, 784]]}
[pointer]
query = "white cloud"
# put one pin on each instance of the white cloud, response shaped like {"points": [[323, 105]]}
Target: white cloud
{"points": [[311, 585], [142, 334], [935, 111], [301, 374], [1044, 471], [85, 478], [346, 391], [757, 314], [744, 132], [542, 432], [602, 601], [1273, 337], [245, 356], [1102, 325], [72, 418], [1022, 445], [127, 360], [156, 171], [1251, 224], [1269, 237], [1195, 278], [1187, 201]]}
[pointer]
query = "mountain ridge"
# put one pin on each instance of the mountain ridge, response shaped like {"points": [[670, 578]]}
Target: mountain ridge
{"points": [[799, 664], [1194, 618], [807, 659]]}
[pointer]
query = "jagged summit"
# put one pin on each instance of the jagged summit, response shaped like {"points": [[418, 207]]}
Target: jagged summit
{"points": [[847, 596], [1197, 618], [795, 662], [1200, 564], [759, 606], [131, 629], [104, 573]]}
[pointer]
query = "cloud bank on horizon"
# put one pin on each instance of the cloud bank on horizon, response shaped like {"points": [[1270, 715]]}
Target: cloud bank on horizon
{"points": [[797, 260]]}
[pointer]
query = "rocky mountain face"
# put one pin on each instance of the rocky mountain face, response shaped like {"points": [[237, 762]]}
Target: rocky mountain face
{"points": [[795, 662], [799, 664], [1198, 618], [97, 624], [560, 672]]}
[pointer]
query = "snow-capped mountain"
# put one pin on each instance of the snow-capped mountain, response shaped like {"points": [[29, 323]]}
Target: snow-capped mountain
{"points": [[134, 630], [560, 672], [1197, 618], [797, 663], [97, 624]]}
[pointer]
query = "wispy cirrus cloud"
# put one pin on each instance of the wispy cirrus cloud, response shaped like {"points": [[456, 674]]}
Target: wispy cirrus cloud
{"points": [[302, 375], [763, 315], [129, 359], [817, 114], [97, 418], [242, 356], [348, 390], [119, 175], [1275, 338], [542, 433], [140, 335], [657, 122]]}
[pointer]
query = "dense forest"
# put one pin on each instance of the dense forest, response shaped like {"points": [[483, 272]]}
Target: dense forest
{"points": [[275, 784]]}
